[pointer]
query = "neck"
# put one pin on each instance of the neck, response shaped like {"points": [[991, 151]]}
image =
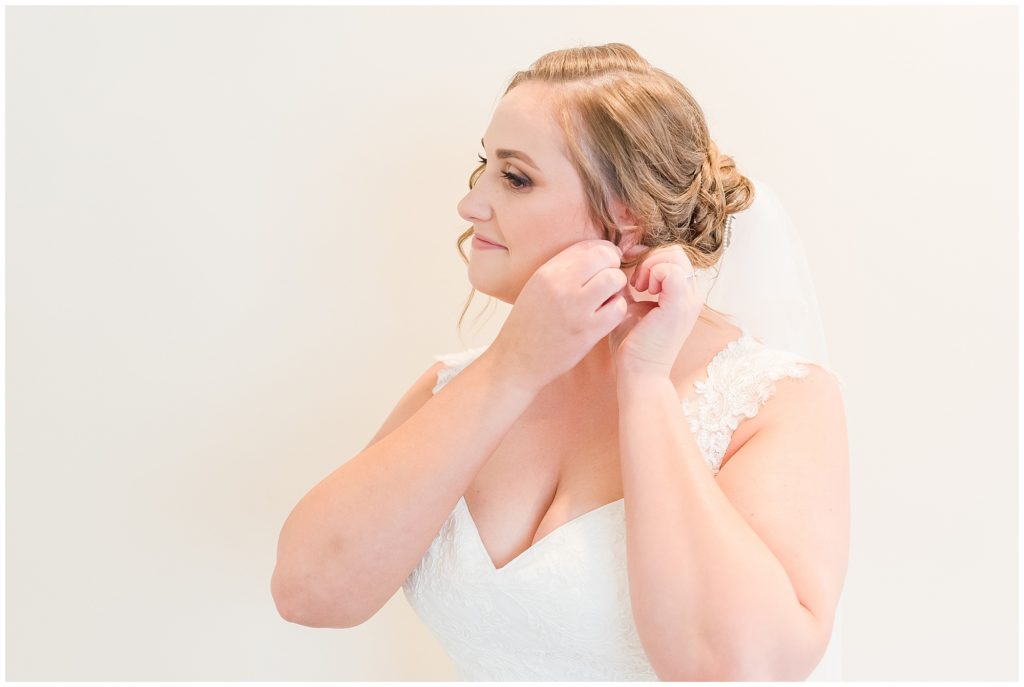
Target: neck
{"points": [[595, 371]]}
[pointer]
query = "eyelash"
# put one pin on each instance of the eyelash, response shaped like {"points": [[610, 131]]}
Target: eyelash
{"points": [[522, 181]]}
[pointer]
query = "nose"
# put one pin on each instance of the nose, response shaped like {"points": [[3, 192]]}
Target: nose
{"points": [[473, 207]]}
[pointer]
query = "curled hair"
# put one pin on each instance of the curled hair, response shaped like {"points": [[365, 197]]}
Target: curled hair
{"points": [[635, 134]]}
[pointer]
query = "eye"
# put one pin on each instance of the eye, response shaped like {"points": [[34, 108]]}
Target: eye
{"points": [[515, 182]]}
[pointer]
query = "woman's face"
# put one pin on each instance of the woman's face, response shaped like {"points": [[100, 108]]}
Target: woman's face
{"points": [[532, 202]]}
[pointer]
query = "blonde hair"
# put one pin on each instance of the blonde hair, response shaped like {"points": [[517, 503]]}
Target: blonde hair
{"points": [[636, 134]]}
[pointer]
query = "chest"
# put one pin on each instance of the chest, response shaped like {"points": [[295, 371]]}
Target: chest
{"points": [[558, 463]]}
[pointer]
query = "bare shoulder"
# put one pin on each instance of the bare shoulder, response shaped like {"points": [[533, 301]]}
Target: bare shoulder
{"points": [[816, 398], [414, 398], [819, 385]]}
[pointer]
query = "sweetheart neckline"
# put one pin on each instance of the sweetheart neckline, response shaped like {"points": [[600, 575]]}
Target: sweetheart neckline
{"points": [[536, 544], [728, 348]]}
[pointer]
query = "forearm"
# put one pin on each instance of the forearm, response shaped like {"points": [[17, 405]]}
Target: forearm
{"points": [[353, 539], [710, 599]]}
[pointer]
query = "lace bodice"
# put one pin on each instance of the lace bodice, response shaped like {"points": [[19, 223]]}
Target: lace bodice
{"points": [[561, 610]]}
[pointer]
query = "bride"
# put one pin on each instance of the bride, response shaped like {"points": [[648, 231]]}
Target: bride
{"points": [[627, 483]]}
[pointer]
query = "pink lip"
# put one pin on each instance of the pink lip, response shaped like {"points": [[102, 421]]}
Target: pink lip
{"points": [[477, 239]]}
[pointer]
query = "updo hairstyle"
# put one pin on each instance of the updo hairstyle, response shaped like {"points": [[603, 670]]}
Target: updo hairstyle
{"points": [[636, 134]]}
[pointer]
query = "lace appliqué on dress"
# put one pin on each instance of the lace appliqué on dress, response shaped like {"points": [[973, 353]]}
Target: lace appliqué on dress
{"points": [[454, 364], [740, 379]]}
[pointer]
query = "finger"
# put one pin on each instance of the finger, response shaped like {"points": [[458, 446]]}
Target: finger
{"points": [[673, 284], [615, 250], [628, 293], [658, 275], [642, 276], [598, 255], [673, 254], [656, 257], [646, 280]]}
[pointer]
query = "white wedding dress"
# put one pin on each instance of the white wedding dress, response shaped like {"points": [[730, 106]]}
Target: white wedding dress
{"points": [[561, 609]]}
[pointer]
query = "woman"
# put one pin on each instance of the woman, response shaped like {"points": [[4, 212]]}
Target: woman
{"points": [[604, 491]]}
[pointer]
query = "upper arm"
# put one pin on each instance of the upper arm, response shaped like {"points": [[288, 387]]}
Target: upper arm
{"points": [[413, 399], [791, 483]]}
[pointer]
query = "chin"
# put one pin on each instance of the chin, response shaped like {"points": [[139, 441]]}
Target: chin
{"points": [[494, 290], [499, 295]]}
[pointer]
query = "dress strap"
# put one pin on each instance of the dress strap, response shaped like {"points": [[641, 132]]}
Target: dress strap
{"points": [[740, 379], [454, 364]]}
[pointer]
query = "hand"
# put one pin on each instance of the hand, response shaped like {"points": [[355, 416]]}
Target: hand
{"points": [[569, 304], [651, 335]]}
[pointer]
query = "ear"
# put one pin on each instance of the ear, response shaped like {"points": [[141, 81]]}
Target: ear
{"points": [[627, 224]]}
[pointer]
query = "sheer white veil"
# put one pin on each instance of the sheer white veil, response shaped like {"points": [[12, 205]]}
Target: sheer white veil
{"points": [[764, 283]]}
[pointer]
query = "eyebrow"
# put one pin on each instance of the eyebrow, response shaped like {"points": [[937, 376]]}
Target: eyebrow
{"points": [[503, 153]]}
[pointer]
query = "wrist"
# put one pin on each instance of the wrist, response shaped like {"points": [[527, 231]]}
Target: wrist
{"points": [[630, 381], [508, 377]]}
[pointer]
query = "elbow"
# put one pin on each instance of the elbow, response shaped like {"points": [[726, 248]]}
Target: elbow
{"points": [[284, 598], [790, 655], [296, 605]]}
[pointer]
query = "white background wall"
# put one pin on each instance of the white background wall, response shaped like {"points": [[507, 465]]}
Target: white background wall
{"points": [[230, 249]]}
